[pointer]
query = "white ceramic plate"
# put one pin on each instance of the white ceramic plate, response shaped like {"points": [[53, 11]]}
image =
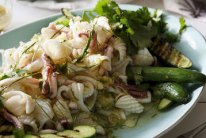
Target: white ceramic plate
{"points": [[151, 124]]}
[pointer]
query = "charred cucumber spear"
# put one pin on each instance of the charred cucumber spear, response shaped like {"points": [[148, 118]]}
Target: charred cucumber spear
{"points": [[171, 55], [168, 88], [165, 74]]}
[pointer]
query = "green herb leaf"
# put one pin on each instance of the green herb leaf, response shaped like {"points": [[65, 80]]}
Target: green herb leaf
{"points": [[19, 133], [25, 51], [19, 79], [87, 47], [88, 16], [41, 84], [19, 72], [138, 27], [183, 25], [62, 20], [3, 76], [61, 68], [58, 31], [172, 37], [66, 13], [108, 8], [101, 5]]}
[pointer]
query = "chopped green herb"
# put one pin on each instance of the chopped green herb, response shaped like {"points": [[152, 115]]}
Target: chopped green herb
{"points": [[3, 76], [56, 32], [18, 133], [63, 20], [25, 51], [13, 83], [85, 52], [29, 47], [61, 68], [34, 54], [19, 72], [66, 13], [138, 27], [41, 84], [182, 25], [88, 16], [17, 81], [35, 37], [171, 37], [110, 9]]}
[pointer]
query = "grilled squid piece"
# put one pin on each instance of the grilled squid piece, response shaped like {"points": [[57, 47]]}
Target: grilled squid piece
{"points": [[29, 120], [103, 29], [57, 51], [18, 102], [120, 67], [120, 46], [143, 58], [49, 74], [43, 112], [20, 83], [62, 111], [134, 91], [11, 118], [129, 104], [63, 114], [34, 66], [6, 128], [78, 90]]}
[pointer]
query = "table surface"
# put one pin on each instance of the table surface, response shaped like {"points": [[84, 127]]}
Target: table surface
{"points": [[23, 14]]}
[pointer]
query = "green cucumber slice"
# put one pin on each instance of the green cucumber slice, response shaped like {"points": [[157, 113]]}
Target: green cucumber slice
{"points": [[70, 134], [30, 136], [86, 131], [11, 136], [164, 104], [49, 136], [172, 91]]}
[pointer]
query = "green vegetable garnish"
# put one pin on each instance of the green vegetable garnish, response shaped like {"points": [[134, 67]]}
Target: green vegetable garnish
{"points": [[66, 13], [87, 47], [165, 74], [170, 55], [19, 133], [137, 28], [3, 76], [182, 25], [172, 91], [88, 16], [19, 79], [164, 104], [63, 20], [25, 51]]}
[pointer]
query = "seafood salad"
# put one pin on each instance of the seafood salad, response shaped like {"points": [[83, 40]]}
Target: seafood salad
{"points": [[84, 76]]}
